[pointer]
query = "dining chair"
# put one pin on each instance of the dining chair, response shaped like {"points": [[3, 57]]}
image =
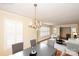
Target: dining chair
{"points": [[58, 52], [60, 49], [17, 47], [51, 42], [33, 42], [71, 53], [66, 52]]}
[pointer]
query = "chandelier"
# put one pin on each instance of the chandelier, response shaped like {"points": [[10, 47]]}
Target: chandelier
{"points": [[36, 24]]}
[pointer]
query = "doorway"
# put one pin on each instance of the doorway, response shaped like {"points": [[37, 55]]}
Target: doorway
{"points": [[65, 32]]}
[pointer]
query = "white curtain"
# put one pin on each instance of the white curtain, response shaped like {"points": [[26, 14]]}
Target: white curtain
{"points": [[13, 32]]}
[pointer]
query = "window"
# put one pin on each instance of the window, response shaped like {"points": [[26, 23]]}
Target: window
{"points": [[44, 31], [13, 32]]}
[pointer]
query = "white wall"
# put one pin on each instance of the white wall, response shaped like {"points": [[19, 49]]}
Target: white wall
{"points": [[28, 33]]}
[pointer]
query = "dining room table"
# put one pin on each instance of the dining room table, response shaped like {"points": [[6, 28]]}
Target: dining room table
{"points": [[41, 49]]}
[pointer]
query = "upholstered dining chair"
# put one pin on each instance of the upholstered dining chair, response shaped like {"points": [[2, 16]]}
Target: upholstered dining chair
{"points": [[66, 52], [51, 42], [71, 52], [33, 42], [17, 47]]}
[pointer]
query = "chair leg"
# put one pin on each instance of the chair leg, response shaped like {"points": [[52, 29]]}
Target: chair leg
{"points": [[78, 53]]}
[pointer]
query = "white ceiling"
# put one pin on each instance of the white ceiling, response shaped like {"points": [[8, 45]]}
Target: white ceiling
{"points": [[55, 13]]}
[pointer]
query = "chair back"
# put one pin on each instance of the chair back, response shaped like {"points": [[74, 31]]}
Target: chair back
{"points": [[33, 42], [17, 47], [51, 42]]}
